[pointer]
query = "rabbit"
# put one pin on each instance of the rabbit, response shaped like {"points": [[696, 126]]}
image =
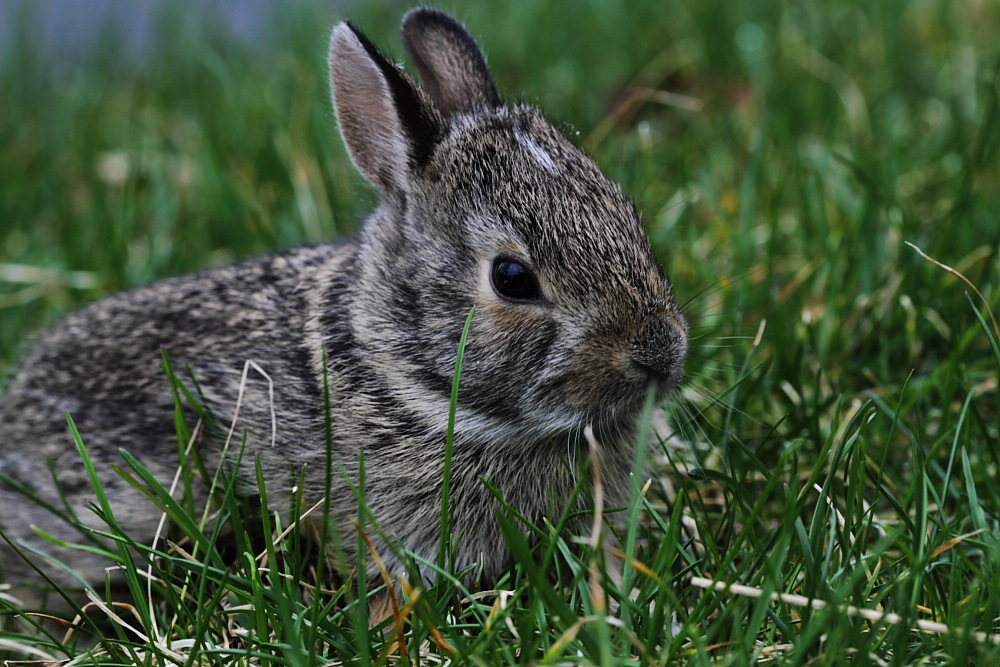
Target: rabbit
{"points": [[481, 204]]}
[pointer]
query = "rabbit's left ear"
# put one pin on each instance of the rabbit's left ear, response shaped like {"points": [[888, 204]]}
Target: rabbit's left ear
{"points": [[389, 125], [451, 66]]}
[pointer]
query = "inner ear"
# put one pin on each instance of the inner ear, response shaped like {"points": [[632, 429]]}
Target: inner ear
{"points": [[389, 125], [451, 66]]}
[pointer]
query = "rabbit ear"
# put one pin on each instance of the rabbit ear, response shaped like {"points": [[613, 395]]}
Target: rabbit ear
{"points": [[388, 124], [451, 66]]}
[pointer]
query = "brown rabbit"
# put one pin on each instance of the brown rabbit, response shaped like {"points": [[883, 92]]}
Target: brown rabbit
{"points": [[482, 204]]}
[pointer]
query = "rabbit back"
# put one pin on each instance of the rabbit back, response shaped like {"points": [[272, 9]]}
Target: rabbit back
{"points": [[104, 367]]}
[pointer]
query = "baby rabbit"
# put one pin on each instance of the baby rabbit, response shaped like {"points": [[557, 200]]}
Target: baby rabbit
{"points": [[482, 204]]}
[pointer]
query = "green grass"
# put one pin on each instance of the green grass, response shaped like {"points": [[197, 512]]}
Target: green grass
{"points": [[841, 409]]}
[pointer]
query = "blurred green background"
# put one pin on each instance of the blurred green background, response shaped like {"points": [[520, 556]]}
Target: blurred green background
{"points": [[781, 154]]}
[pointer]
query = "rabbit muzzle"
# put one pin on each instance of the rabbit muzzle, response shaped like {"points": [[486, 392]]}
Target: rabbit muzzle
{"points": [[661, 348]]}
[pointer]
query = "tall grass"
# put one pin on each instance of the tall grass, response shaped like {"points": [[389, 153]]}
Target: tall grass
{"points": [[840, 414]]}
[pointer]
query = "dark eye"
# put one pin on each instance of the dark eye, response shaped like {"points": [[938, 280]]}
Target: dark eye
{"points": [[513, 280]]}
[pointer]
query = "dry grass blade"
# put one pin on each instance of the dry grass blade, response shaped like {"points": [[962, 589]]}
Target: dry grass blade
{"points": [[596, 590], [27, 649], [850, 610], [955, 541], [958, 274]]}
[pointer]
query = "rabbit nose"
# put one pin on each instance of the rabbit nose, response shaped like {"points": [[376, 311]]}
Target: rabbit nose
{"points": [[661, 348]]}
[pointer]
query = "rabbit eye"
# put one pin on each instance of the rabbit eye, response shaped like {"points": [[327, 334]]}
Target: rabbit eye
{"points": [[512, 280]]}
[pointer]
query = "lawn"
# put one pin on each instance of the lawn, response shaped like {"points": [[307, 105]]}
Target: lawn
{"points": [[821, 180]]}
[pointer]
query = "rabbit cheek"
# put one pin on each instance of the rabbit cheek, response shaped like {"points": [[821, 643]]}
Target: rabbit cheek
{"points": [[516, 339], [505, 318]]}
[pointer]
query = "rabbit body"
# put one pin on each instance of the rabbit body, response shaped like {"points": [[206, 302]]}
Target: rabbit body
{"points": [[482, 204]]}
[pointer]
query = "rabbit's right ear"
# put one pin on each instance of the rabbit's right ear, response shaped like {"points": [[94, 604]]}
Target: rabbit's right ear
{"points": [[388, 124], [451, 66]]}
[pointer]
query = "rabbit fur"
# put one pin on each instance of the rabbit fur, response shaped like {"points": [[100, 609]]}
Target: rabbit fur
{"points": [[465, 181]]}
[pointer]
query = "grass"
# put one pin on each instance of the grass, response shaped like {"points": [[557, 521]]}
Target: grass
{"points": [[842, 410]]}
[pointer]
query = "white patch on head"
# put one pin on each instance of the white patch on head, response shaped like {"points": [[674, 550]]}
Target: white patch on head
{"points": [[537, 152]]}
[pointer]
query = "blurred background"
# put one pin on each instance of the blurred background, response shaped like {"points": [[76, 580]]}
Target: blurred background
{"points": [[781, 153]]}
